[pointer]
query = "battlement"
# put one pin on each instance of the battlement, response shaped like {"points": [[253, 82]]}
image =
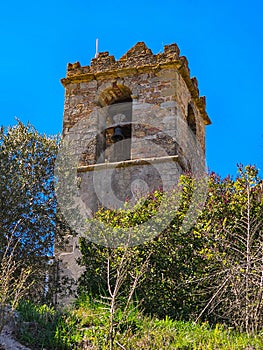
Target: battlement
{"points": [[138, 56]]}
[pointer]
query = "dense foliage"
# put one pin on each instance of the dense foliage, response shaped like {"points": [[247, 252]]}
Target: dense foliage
{"points": [[27, 200], [212, 272]]}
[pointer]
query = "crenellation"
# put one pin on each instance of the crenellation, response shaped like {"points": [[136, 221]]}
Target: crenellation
{"points": [[103, 62], [173, 50], [72, 66], [139, 50], [195, 84]]}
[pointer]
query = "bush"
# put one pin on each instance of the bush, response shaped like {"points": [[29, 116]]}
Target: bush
{"points": [[211, 272]]}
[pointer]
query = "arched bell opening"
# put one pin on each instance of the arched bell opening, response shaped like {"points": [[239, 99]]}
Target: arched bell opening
{"points": [[191, 121], [115, 140]]}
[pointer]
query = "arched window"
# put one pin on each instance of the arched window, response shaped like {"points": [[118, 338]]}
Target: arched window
{"points": [[115, 141], [191, 118]]}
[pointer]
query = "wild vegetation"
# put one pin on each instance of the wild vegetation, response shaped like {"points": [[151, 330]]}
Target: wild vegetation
{"points": [[195, 289], [86, 326], [212, 272], [28, 213]]}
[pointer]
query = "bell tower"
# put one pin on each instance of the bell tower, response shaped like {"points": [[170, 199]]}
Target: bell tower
{"points": [[138, 99], [138, 123], [138, 76]]}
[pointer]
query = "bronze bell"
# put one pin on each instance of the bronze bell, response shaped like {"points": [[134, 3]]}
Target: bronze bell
{"points": [[118, 135]]}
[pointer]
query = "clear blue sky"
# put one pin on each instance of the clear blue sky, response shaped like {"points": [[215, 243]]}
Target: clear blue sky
{"points": [[223, 41]]}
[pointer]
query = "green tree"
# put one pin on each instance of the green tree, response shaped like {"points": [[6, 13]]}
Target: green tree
{"points": [[27, 200], [233, 223], [211, 272]]}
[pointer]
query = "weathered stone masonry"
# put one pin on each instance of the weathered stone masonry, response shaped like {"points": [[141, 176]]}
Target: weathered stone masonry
{"points": [[138, 75], [136, 79]]}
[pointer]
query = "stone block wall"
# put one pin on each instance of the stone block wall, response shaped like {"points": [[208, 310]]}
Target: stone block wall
{"points": [[160, 80]]}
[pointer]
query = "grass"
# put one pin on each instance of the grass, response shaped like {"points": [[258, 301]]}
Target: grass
{"points": [[86, 327]]}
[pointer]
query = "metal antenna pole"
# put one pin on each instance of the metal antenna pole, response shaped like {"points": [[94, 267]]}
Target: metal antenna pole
{"points": [[97, 48]]}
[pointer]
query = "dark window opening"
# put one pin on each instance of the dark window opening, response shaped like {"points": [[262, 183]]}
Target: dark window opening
{"points": [[118, 133], [118, 143], [191, 119]]}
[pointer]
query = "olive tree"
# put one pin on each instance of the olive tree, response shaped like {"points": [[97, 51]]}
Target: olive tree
{"points": [[28, 204]]}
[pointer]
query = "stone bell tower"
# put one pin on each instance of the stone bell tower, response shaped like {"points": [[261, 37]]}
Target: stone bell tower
{"points": [[138, 119], [138, 76], [140, 98]]}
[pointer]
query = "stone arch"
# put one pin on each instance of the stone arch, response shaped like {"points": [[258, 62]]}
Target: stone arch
{"points": [[113, 93]]}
